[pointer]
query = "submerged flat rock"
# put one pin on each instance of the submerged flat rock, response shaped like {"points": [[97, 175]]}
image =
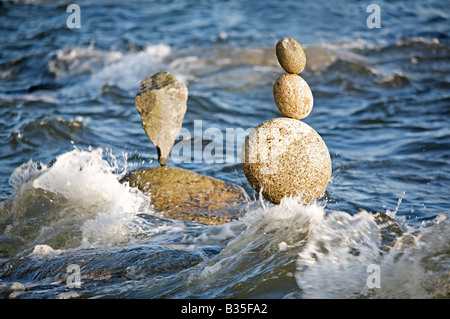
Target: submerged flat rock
{"points": [[185, 195], [97, 267]]}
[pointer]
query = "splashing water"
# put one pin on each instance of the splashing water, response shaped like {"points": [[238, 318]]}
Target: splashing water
{"points": [[62, 211], [77, 200], [342, 251], [381, 105]]}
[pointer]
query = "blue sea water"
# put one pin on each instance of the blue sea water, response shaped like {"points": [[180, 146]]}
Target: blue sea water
{"points": [[381, 104]]}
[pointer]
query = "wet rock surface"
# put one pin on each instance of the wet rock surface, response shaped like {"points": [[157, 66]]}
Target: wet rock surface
{"points": [[185, 195], [93, 266]]}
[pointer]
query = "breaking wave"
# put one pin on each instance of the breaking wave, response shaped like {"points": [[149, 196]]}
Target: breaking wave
{"points": [[76, 201], [63, 210]]}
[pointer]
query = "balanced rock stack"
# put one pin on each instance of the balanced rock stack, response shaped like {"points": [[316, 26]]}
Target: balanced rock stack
{"points": [[284, 156], [175, 192]]}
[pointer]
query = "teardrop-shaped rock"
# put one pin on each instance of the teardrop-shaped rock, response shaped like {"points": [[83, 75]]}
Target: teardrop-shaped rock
{"points": [[161, 101]]}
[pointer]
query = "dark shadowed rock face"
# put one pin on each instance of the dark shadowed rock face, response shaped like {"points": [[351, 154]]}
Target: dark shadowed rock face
{"points": [[185, 195], [161, 101]]}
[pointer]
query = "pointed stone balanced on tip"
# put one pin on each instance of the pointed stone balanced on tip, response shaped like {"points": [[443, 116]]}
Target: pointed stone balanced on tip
{"points": [[162, 103]]}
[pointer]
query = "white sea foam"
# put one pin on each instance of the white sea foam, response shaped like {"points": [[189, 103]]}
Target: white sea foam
{"points": [[211, 235], [334, 254], [45, 250], [72, 61], [83, 191], [268, 235], [329, 251], [334, 260], [87, 178], [129, 69], [107, 67], [342, 251]]}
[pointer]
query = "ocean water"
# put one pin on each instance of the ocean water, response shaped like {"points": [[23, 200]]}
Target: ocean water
{"points": [[70, 131]]}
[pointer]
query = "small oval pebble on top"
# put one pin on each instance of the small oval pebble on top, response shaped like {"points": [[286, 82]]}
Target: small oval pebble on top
{"points": [[291, 56]]}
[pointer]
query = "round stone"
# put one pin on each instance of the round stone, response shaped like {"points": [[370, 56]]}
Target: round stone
{"points": [[293, 96], [285, 157], [291, 56]]}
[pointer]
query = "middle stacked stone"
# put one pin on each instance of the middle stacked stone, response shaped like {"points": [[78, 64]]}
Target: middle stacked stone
{"points": [[291, 93]]}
